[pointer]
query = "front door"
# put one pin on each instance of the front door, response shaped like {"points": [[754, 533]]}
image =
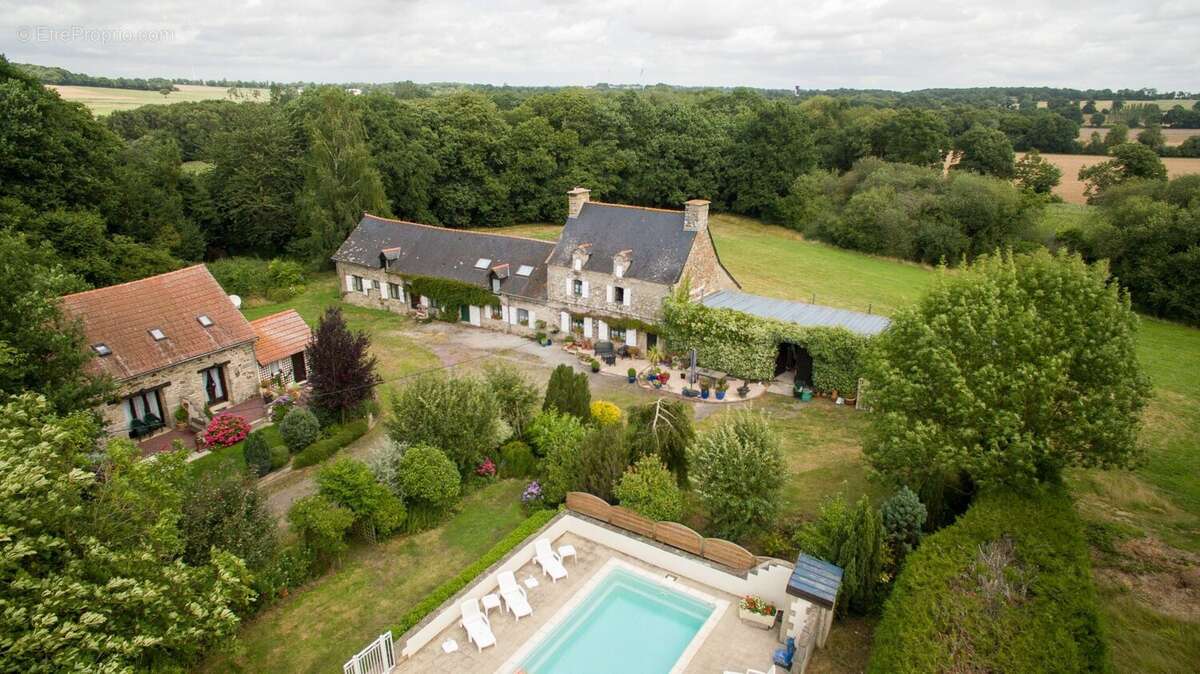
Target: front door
{"points": [[464, 313], [299, 367]]}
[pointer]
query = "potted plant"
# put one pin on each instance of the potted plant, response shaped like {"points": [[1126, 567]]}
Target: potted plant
{"points": [[722, 387], [632, 374], [704, 389], [595, 365], [744, 389], [181, 418], [663, 378], [652, 377], [756, 611]]}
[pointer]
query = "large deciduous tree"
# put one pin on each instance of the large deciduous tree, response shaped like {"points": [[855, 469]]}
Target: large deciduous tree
{"points": [[341, 368], [1006, 374], [340, 179], [93, 578], [456, 415], [662, 429], [985, 150], [738, 469], [1129, 161]]}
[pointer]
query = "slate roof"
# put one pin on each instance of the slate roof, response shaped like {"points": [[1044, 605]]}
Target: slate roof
{"points": [[427, 250], [816, 580], [279, 336], [122, 317], [660, 245], [800, 313]]}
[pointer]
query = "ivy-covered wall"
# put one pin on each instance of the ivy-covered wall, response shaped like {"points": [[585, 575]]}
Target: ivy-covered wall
{"points": [[450, 295], [745, 346]]}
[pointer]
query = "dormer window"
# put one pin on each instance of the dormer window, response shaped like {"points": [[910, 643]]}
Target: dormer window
{"points": [[101, 349], [578, 264], [157, 334], [621, 262], [483, 263], [579, 256], [495, 285], [205, 320]]}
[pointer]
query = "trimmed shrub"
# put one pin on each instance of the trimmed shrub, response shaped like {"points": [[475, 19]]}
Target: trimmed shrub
{"points": [[429, 481], [337, 437], [903, 517], [604, 412], [299, 429], [258, 454], [280, 457], [1007, 588], [649, 489], [322, 525], [449, 588], [517, 460]]}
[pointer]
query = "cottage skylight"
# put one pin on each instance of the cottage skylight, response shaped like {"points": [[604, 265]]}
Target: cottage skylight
{"points": [[205, 320], [101, 349], [524, 270], [483, 263], [157, 334]]}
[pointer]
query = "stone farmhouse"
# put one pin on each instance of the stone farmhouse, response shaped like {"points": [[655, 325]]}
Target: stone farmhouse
{"points": [[177, 340], [605, 279]]}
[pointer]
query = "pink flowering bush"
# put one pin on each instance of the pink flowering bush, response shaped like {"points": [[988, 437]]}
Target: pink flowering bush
{"points": [[225, 430], [486, 469]]}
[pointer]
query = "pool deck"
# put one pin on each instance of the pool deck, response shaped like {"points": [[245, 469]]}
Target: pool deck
{"points": [[730, 646]]}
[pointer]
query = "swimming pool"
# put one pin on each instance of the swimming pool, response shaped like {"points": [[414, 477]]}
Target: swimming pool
{"points": [[627, 623]]}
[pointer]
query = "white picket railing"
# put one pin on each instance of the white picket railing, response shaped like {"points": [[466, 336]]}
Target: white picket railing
{"points": [[377, 658]]}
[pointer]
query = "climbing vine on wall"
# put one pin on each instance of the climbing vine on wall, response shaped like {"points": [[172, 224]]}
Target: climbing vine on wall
{"points": [[745, 346], [450, 295]]}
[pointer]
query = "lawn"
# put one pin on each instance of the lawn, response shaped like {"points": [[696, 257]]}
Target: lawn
{"points": [[235, 453], [321, 626], [103, 100]]}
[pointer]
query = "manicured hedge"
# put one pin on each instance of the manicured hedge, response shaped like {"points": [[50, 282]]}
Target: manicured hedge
{"points": [[939, 619], [448, 589], [338, 437], [745, 346]]}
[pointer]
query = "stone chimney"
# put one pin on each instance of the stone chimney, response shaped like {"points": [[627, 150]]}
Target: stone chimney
{"points": [[695, 215], [576, 198]]}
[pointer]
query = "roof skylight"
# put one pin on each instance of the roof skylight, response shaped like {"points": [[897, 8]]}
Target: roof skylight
{"points": [[524, 270], [101, 349], [157, 334], [205, 320], [483, 263]]}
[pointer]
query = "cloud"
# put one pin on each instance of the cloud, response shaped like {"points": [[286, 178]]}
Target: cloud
{"points": [[899, 44]]}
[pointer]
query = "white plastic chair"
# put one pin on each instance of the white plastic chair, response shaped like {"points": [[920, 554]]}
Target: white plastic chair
{"points": [[549, 560], [516, 600], [479, 629]]}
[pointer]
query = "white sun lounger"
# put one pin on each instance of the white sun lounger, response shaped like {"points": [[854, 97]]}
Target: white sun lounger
{"points": [[549, 560], [479, 630], [514, 596]]}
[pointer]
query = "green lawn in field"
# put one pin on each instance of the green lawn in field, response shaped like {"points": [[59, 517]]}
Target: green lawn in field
{"points": [[322, 625], [103, 100], [1058, 218], [234, 454]]}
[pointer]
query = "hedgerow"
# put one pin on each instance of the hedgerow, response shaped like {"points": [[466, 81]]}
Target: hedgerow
{"points": [[1007, 588], [326, 447], [745, 346], [449, 588]]}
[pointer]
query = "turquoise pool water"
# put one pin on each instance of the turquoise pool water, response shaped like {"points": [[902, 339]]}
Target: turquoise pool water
{"points": [[626, 624]]}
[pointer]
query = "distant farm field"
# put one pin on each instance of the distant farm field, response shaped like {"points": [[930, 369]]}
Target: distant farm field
{"points": [[102, 100], [1173, 136], [1071, 188], [1164, 104]]}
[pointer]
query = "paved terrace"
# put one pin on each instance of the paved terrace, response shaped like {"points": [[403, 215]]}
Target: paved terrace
{"points": [[730, 646]]}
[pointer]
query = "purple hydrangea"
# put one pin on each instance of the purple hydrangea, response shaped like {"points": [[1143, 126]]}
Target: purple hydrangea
{"points": [[533, 492]]}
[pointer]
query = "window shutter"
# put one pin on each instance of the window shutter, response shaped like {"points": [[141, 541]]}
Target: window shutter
{"points": [[602, 330], [587, 328], [564, 322], [628, 297], [631, 336], [569, 288], [350, 282], [532, 320], [503, 313], [585, 290], [609, 290]]}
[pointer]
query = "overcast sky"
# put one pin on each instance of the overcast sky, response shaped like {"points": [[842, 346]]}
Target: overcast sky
{"points": [[893, 44]]}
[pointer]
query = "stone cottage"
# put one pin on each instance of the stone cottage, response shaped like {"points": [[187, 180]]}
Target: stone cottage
{"points": [[170, 340], [605, 278]]}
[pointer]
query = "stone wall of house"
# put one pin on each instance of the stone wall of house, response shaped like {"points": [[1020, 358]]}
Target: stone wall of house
{"points": [[186, 384], [645, 303], [703, 268]]}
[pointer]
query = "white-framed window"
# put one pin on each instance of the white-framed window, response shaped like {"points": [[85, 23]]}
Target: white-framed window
{"points": [[496, 312], [618, 295], [358, 283], [577, 287], [616, 334], [213, 381], [578, 264], [523, 316], [394, 291], [496, 285]]}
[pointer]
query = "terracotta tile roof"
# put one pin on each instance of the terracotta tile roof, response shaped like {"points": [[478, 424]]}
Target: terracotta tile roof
{"points": [[279, 336], [122, 316]]}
